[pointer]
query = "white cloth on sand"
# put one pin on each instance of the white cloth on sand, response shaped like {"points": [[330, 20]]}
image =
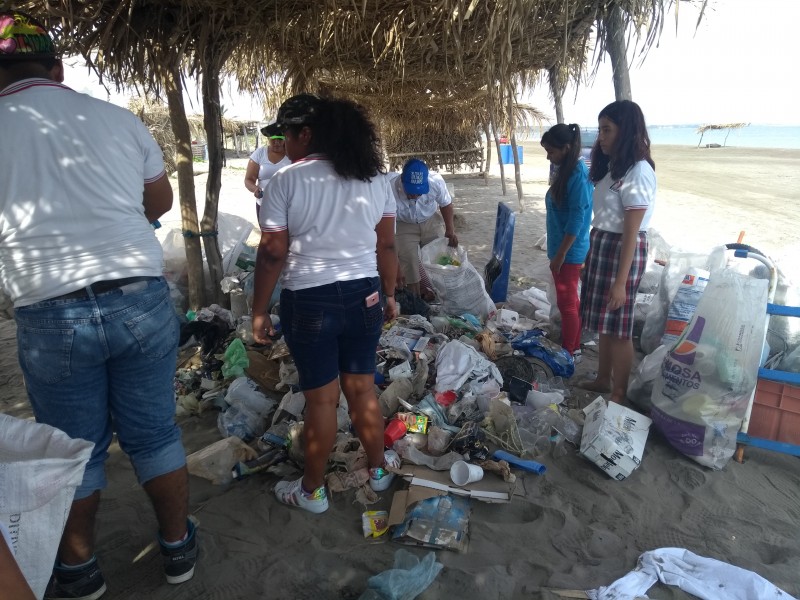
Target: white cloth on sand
{"points": [[706, 578]]}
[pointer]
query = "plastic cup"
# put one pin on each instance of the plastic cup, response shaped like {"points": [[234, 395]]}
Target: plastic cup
{"points": [[463, 473], [394, 430]]}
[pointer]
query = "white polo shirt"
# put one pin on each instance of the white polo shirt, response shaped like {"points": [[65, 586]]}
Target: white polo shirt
{"points": [[612, 197], [424, 207], [266, 168], [73, 170], [331, 222]]}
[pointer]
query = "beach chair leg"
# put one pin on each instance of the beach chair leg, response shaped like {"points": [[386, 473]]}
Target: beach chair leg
{"points": [[739, 454]]}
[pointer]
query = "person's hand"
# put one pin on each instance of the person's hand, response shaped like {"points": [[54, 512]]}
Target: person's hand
{"points": [[556, 263], [452, 239], [616, 297], [262, 328], [259, 193], [400, 282], [390, 311]]}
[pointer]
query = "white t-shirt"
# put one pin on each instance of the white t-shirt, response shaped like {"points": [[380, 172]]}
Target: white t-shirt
{"points": [[73, 170], [635, 191], [331, 222], [424, 207], [266, 168]]}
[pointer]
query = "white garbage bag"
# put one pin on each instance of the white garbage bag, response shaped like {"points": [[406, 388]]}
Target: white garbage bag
{"points": [[40, 467]]}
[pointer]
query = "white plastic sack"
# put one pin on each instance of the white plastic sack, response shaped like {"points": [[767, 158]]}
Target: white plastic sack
{"points": [[640, 385], [460, 287], [245, 391], [457, 363], [232, 234], [708, 376], [40, 467]]}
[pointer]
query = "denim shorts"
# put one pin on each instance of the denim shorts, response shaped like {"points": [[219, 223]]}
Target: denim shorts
{"points": [[331, 330], [102, 364]]}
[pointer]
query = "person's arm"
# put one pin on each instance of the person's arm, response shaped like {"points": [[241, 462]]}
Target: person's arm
{"points": [[270, 258], [157, 198], [449, 227], [630, 236], [13, 585], [561, 255], [387, 264], [251, 178]]}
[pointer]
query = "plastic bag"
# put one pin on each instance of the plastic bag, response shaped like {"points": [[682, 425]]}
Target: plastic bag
{"points": [[460, 287], [40, 467], [242, 422], [640, 385], [235, 360], [244, 390], [458, 363], [406, 580], [533, 343], [708, 376], [679, 263]]}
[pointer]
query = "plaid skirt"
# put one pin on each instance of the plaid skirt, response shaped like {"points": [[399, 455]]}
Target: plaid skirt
{"points": [[598, 276]]}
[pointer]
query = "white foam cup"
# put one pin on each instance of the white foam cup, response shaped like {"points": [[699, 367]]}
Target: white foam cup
{"points": [[463, 473]]}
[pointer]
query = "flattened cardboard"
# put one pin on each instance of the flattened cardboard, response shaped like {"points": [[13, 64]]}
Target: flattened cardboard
{"points": [[614, 437], [426, 483]]}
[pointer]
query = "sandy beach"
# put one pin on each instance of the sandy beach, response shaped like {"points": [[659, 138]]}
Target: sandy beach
{"points": [[571, 528]]}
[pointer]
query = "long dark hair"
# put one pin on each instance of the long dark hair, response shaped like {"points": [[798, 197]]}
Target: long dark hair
{"points": [[342, 130], [632, 144], [559, 136]]}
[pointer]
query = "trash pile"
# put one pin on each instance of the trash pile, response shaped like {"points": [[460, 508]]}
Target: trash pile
{"points": [[467, 400]]}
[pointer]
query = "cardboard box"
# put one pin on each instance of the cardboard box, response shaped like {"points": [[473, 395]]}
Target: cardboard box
{"points": [[614, 437]]}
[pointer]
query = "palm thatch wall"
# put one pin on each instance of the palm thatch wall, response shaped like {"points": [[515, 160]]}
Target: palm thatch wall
{"points": [[429, 57], [454, 64]]}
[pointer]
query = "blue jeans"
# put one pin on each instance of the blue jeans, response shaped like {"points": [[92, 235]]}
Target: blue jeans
{"points": [[104, 364], [331, 330]]}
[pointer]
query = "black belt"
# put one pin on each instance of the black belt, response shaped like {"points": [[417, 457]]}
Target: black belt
{"points": [[99, 287]]}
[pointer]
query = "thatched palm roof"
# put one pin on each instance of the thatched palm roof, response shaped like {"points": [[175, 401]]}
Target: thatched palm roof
{"points": [[438, 57]]}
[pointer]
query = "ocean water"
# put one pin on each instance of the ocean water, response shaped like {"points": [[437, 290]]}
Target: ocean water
{"points": [[752, 136]]}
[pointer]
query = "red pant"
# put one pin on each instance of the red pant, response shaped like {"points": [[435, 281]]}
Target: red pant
{"points": [[569, 306]]}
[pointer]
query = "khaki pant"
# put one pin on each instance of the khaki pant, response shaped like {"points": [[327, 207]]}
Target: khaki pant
{"points": [[409, 237]]}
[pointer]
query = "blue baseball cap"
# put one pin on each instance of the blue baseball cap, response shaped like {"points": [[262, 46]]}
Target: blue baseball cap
{"points": [[415, 177]]}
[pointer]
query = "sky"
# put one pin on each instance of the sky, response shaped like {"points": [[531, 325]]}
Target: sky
{"points": [[736, 66]]}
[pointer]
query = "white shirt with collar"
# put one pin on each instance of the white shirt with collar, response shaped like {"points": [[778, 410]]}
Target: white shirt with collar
{"points": [[423, 208], [613, 197]]}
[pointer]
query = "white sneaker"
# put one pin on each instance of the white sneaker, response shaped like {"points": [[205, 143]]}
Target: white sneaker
{"points": [[577, 356], [291, 493], [379, 478]]}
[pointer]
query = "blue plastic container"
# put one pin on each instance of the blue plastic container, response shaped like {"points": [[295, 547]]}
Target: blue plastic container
{"points": [[505, 154]]}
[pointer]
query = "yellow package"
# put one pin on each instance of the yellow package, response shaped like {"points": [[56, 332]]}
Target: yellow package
{"points": [[414, 423], [374, 523]]}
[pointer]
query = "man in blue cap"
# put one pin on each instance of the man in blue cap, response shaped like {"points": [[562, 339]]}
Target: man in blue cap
{"points": [[418, 194]]}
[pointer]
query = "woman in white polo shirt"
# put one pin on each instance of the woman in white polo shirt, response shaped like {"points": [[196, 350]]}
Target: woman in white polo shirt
{"points": [[264, 163], [623, 201], [329, 228]]}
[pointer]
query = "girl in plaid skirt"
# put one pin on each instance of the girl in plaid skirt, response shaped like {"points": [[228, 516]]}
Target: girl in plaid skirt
{"points": [[623, 200]]}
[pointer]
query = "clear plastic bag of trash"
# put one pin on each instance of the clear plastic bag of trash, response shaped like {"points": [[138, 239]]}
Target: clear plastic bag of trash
{"points": [[408, 578], [242, 422]]}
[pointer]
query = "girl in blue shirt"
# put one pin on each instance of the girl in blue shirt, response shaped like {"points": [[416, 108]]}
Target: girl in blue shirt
{"points": [[569, 216]]}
